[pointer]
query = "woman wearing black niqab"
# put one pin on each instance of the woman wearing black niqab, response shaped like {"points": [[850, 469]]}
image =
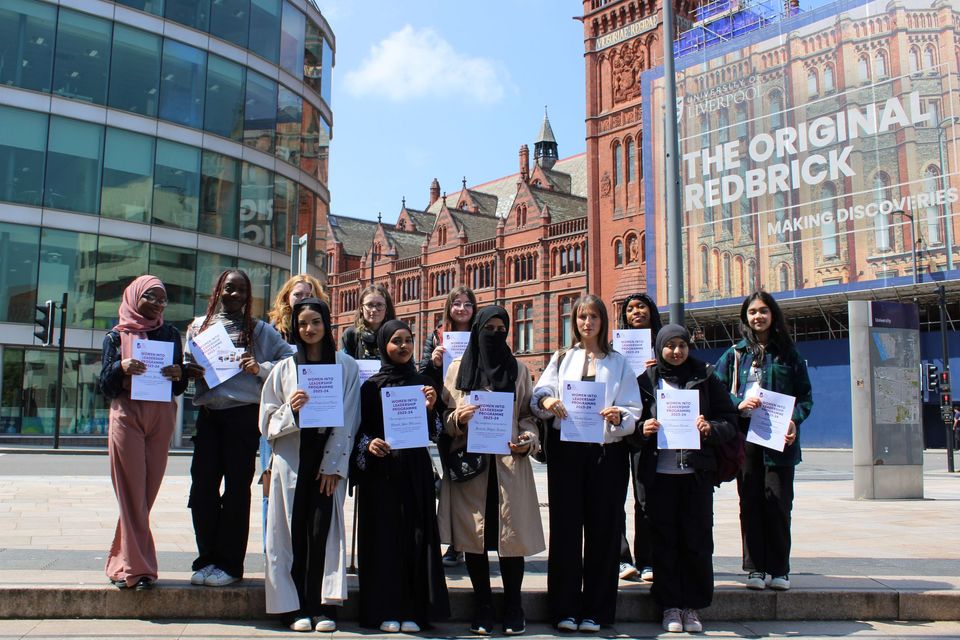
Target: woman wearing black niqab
{"points": [[402, 583]]}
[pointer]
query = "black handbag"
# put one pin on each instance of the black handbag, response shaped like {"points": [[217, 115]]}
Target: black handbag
{"points": [[458, 464]]}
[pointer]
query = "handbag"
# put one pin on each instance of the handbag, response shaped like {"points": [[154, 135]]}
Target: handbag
{"points": [[463, 465]]}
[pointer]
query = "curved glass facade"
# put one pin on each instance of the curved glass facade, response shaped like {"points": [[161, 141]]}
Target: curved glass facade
{"points": [[172, 137]]}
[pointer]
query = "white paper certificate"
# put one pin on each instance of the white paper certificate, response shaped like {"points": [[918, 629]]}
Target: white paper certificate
{"points": [[677, 411], [214, 351], [454, 344], [367, 368], [404, 417], [770, 421], [491, 427], [583, 401], [324, 386], [636, 346], [151, 385]]}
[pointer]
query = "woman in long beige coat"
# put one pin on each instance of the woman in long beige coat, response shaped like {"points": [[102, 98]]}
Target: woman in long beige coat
{"points": [[498, 509]]}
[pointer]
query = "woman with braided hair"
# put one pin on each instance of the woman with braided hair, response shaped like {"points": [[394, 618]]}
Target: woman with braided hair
{"points": [[228, 432]]}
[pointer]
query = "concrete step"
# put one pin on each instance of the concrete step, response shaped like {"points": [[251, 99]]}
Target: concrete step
{"points": [[177, 599]]}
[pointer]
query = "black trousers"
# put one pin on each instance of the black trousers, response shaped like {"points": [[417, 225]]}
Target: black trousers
{"points": [[587, 485], [641, 556], [309, 526], [766, 504], [681, 510], [225, 449]]}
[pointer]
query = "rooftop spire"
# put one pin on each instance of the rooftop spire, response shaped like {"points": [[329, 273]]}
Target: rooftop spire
{"points": [[545, 148]]}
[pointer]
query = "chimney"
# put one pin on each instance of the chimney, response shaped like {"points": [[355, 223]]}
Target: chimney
{"points": [[524, 163], [434, 191]]}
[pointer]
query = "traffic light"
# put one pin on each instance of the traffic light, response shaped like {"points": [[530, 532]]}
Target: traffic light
{"points": [[44, 322], [933, 380], [945, 383]]}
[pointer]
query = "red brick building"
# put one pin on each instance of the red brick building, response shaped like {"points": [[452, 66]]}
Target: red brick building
{"points": [[519, 241]]}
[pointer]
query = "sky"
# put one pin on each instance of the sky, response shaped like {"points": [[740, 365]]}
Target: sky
{"points": [[446, 89]]}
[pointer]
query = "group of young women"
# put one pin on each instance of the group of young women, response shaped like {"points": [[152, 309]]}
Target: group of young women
{"points": [[493, 508]]}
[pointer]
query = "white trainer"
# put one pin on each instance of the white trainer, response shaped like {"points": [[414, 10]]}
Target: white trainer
{"points": [[780, 583], [756, 580], [323, 624], [672, 622], [200, 575], [409, 626], [691, 621], [301, 624], [220, 578], [390, 626]]}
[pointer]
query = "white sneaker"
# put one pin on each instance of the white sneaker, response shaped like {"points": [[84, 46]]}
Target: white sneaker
{"points": [[409, 626], [691, 621], [324, 624], [672, 621], [220, 578], [567, 624], [588, 626], [301, 624], [780, 583], [627, 571], [390, 626], [200, 575], [647, 574], [756, 580]]}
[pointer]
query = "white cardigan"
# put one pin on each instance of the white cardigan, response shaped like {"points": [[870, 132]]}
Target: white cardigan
{"points": [[622, 390]]}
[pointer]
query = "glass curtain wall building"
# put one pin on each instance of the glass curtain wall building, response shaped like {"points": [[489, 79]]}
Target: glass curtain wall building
{"points": [[172, 137]]}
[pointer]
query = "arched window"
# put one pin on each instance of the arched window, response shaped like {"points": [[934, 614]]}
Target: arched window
{"points": [[813, 88], [715, 268], [442, 235], [929, 58], [828, 229], [752, 283], [828, 85], [776, 109], [738, 274], [746, 213], [880, 65], [704, 132], [882, 228], [704, 267], [617, 163], [863, 69], [914, 60], [780, 209], [931, 181], [631, 159], [563, 260], [723, 127], [784, 275], [618, 253], [727, 276]]}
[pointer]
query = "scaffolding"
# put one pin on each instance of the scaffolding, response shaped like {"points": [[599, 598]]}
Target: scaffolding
{"points": [[718, 21]]}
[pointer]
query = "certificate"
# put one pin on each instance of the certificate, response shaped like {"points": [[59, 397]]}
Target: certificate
{"points": [[491, 427], [583, 401], [636, 346], [405, 417], [677, 411], [367, 368], [454, 344], [151, 385], [770, 421], [324, 386], [214, 351]]}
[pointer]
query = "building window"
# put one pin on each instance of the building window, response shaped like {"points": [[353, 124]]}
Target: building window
{"points": [[74, 157], [727, 275], [631, 159], [780, 207], [914, 60], [83, 57], [704, 267], [521, 215], [260, 115], [784, 275], [776, 109], [27, 34], [752, 282], [523, 327], [566, 319], [828, 229], [265, 28], [183, 84], [127, 191], [617, 163], [883, 230], [135, 71], [176, 185], [618, 253], [828, 84], [929, 58], [813, 88], [229, 19], [880, 65], [220, 195], [22, 155], [441, 235]]}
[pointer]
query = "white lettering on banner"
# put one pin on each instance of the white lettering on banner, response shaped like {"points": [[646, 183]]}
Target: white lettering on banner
{"points": [[784, 145], [859, 212]]}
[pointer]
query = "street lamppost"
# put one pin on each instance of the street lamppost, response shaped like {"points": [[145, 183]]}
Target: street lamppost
{"points": [[947, 222], [914, 241]]}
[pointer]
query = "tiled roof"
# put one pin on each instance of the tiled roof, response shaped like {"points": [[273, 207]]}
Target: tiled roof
{"points": [[407, 242], [560, 181], [576, 168], [563, 206], [422, 220], [355, 234], [476, 225]]}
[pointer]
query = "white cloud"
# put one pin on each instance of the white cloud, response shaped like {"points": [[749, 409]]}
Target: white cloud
{"points": [[417, 63]]}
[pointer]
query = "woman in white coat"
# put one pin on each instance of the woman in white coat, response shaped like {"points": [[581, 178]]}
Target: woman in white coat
{"points": [[305, 540], [587, 483]]}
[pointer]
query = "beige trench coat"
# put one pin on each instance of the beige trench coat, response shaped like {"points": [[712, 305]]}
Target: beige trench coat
{"points": [[462, 504]]}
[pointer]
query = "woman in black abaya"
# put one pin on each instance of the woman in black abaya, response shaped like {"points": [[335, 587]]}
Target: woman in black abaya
{"points": [[402, 585]]}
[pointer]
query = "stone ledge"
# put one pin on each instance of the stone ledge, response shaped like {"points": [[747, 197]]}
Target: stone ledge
{"points": [[180, 600]]}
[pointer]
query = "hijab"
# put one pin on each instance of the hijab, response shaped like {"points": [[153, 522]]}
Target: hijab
{"points": [[488, 361], [328, 350], [132, 324], [655, 322], [392, 374], [676, 374]]}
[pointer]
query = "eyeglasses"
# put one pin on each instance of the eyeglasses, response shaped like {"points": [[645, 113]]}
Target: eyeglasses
{"points": [[152, 299], [374, 306], [462, 305]]}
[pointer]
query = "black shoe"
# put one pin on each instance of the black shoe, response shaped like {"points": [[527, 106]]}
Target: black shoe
{"points": [[119, 584], [514, 622], [482, 624], [452, 557], [143, 584]]}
